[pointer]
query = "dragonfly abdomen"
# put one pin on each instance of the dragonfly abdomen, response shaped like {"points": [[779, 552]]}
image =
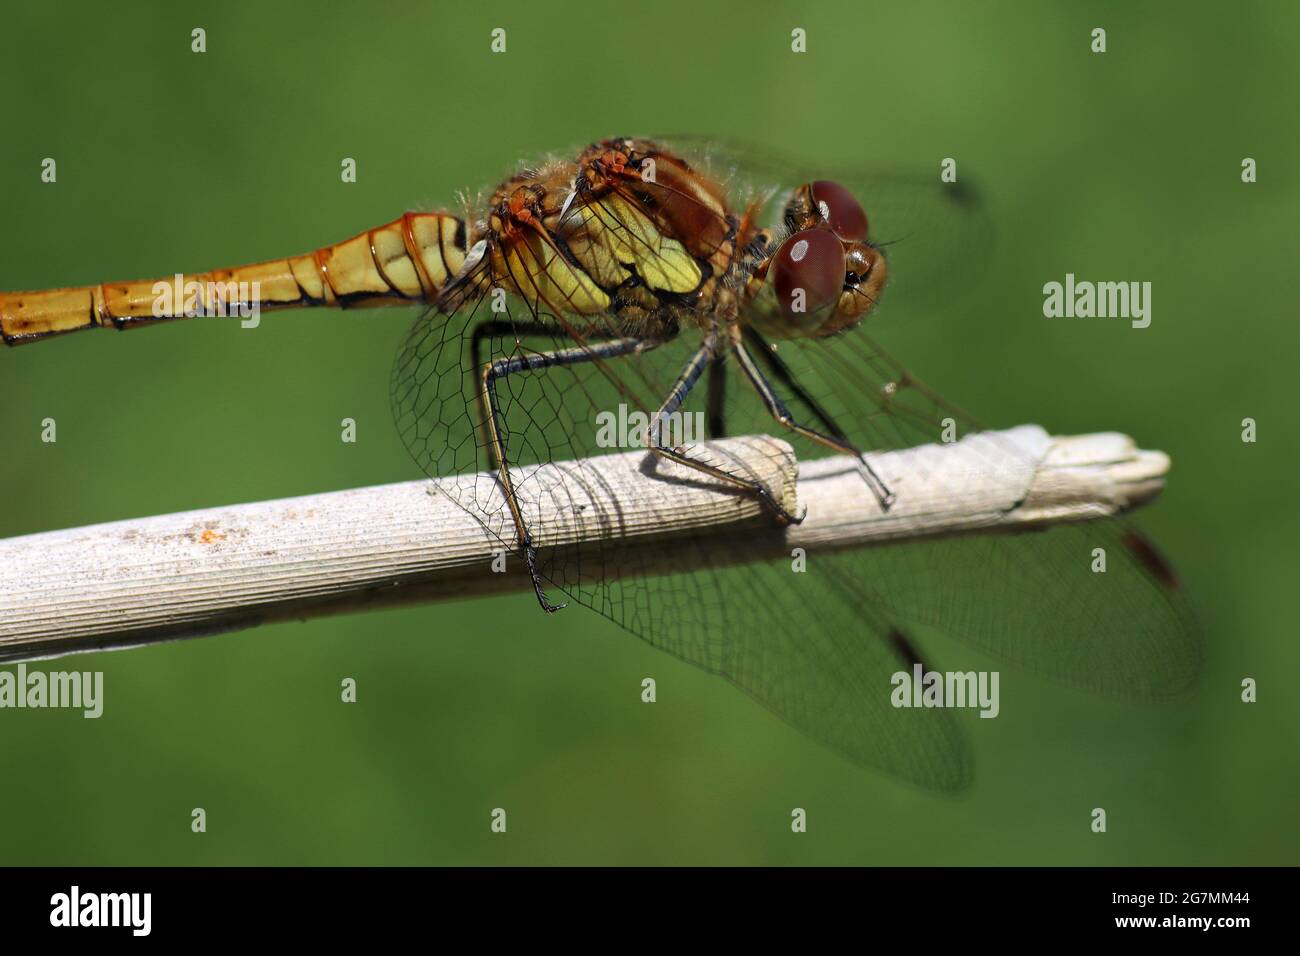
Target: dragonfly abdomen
{"points": [[408, 260]]}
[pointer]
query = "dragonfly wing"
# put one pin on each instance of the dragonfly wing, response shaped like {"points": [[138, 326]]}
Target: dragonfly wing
{"points": [[805, 646], [810, 647], [1040, 598]]}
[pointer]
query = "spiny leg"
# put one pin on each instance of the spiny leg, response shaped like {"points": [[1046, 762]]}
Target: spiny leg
{"points": [[781, 413], [786, 377], [484, 331], [717, 400], [537, 361], [702, 358]]}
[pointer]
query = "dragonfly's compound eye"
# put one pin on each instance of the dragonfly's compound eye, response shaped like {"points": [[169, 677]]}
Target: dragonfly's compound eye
{"points": [[808, 275], [839, 209]]}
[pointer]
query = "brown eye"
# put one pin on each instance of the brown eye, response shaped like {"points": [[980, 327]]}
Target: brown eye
{"points": [[840, 209], [808, 273]]}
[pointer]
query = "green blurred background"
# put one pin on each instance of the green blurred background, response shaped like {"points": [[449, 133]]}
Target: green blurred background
{"points": [[1117, 166]]}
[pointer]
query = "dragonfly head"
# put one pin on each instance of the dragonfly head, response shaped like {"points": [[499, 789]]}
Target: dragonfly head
{"points": [[825, 275]]}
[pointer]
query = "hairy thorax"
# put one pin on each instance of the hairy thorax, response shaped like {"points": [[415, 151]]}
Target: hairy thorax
{"points": [[629, 231]]}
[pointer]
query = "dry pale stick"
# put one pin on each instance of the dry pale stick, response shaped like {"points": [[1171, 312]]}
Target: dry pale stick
{"points": [[135, 582]]}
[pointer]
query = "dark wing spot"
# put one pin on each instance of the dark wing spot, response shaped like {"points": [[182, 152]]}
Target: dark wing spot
{"points": [[1142, 549], [904, 648]]}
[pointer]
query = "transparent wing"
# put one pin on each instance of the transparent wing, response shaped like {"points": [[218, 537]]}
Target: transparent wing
{"points": [[1031, 598], [806, 646], [802, 645]]}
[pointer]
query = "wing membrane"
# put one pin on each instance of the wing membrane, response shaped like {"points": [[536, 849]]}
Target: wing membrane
{"points": [[819, 647], [802, 645], [1031, 598]]}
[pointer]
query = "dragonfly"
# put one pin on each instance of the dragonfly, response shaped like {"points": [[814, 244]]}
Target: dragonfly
{"points": [[687, 278]]}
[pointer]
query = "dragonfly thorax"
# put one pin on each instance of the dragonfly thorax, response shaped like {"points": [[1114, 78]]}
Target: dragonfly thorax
{"points": [[628, 231]]}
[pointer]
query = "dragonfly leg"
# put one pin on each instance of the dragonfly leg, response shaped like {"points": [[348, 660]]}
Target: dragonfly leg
{"points": [[836, 440], [535, 361], [702, 359], [483, 332], [717, 399]]}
